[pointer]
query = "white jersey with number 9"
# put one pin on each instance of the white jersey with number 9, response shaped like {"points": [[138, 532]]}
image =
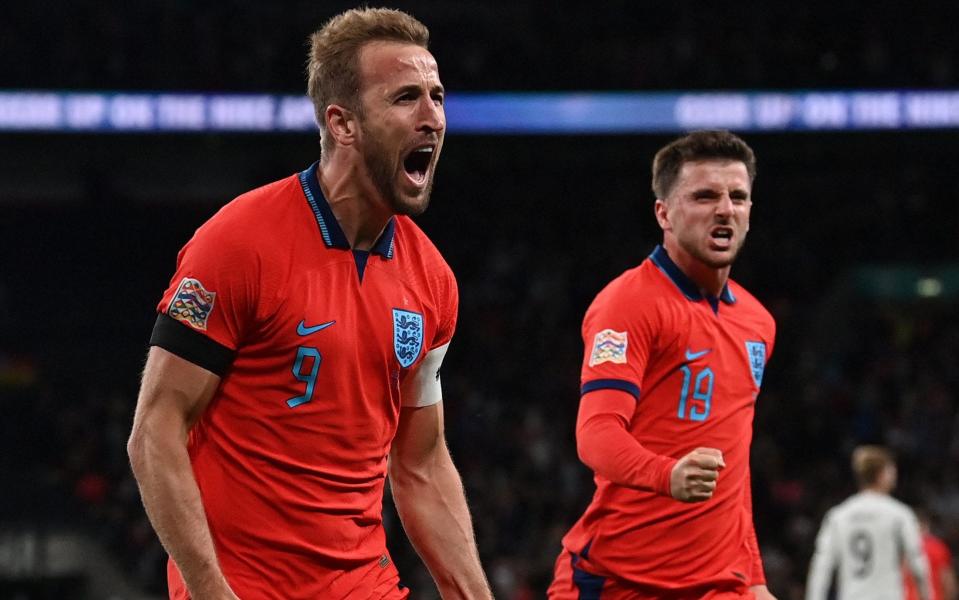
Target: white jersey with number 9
{"points": [[867, 537]]}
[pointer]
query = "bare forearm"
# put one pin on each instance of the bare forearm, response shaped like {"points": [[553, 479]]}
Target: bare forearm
{"points": [[432, 507], [172, 502]]}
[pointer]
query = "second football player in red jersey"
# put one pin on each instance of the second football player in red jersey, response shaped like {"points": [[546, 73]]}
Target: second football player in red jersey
{"points": [[675, 353], [942, 575], [296, 356]]}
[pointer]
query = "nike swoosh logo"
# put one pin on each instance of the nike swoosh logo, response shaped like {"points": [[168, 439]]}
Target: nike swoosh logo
{"points": [[690, 355], [302, 329]]}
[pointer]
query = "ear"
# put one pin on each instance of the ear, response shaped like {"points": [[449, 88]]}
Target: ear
{"points": [[341, 124], [661, 210]]}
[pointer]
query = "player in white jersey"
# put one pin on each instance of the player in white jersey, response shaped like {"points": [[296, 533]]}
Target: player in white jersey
{"points": [[867, 537]]}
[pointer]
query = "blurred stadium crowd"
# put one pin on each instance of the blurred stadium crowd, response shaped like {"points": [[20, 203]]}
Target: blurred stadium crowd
{"points": [[259, 46], [533, 227]]}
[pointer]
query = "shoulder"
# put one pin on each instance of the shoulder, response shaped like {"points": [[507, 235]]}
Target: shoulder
{"points": [[421, 258], [640, 303], [883, 506], [423, 269], [753, 309], [636, 290], [250, 240], [902, 509], [750, 303], [886, 501], [410, 237], [851, 504], [251, 216], [257, 222], [248, 213], [836, 511]]}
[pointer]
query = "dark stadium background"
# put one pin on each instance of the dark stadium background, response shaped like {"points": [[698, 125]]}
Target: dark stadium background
{"points": [[533, 226]]}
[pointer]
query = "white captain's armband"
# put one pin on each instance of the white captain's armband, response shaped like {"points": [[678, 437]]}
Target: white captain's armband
{"points": [[423, 387]]}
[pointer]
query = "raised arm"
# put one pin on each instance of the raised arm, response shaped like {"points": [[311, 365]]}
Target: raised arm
{"points": [[173, 395], [428, 491]]}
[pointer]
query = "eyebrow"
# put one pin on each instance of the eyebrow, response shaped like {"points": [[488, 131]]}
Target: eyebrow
{"points": [[704, 193], [412, 87], [406, 89], [711, 193]]}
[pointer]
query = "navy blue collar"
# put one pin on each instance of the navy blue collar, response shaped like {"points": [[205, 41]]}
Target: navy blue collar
{"points": [[333, 235], [686, 285]]}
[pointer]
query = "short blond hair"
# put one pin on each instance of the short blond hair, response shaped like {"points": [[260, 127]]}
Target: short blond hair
{"points": [[868, 463], [333, 75]]}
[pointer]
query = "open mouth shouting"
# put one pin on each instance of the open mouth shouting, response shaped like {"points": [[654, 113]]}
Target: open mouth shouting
{"points": [[721, 237], [418, 163]]}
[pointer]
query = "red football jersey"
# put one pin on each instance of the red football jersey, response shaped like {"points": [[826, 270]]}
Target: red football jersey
{"points": [[695, 366], [940, 558], [313, 342]]}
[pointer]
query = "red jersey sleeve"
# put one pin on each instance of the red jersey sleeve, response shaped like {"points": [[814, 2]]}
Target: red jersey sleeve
{"points": [[605, 445], [758, 573], [449, 301], [940, 553], [618, 336], [214, 288]]}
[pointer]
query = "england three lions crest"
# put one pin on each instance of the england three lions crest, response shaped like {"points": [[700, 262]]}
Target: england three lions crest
{"points": [[756, 352], [407, 336]]}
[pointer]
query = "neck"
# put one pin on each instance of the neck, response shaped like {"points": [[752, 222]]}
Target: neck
{"points": [[358, 206], [709, 280]]}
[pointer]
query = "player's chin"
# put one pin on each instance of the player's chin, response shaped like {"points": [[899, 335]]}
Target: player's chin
{"points": [[719, 258], [411, 196], [411, 204]]}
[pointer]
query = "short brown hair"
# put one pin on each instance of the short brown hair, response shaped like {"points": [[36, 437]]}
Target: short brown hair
{"points": [[697, 146], [868, 462], [333, 69]]}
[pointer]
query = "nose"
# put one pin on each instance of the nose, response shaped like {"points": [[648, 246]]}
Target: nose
{"points": [[724, 207], [432, 117]]}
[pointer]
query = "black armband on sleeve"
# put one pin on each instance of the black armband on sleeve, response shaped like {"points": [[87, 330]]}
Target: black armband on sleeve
{"points": [[191, 345]]}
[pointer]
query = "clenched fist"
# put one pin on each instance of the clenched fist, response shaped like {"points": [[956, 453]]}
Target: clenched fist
{"points": [[694, 476]]}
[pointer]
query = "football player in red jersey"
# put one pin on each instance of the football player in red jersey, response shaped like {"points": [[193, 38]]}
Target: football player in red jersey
{"points": [[942, 576], [675, 353], [295, 360]]}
